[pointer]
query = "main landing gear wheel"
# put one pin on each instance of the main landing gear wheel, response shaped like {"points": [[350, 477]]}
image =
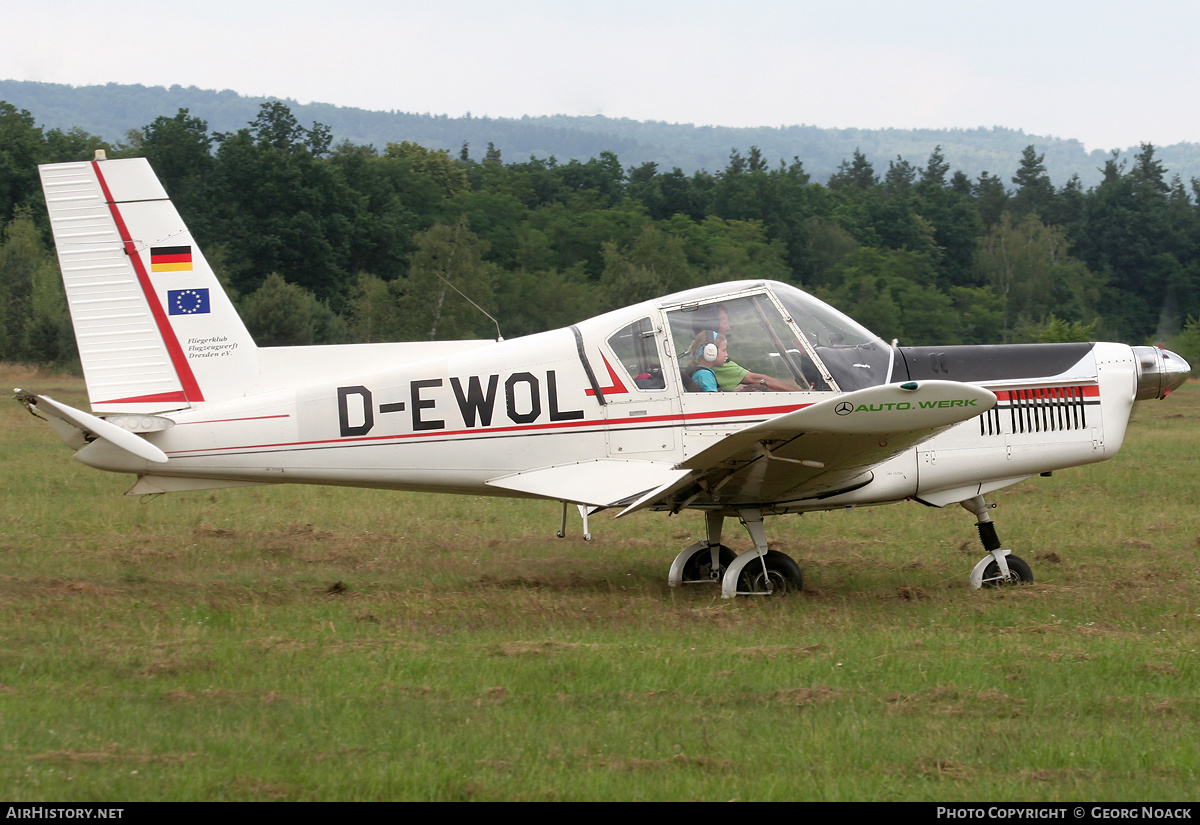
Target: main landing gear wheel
{"points": [[760, 572], [781, 576], [698, 567], [757, 572], [1018, 573]]}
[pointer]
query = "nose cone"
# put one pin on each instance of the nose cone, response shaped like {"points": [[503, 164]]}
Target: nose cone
{"points": [[1159, 372], [1175, 371]]}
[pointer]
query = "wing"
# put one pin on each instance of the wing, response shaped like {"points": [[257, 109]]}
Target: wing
{"points": [[821, 450]]}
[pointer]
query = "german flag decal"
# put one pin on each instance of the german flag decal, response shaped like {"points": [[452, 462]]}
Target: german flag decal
{"points": [[170, 258]]}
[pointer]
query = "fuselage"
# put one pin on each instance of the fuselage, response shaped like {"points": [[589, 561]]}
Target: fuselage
{"points": [[614, 387]]}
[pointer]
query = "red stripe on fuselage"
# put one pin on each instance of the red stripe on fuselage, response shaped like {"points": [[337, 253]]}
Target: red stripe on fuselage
{"points": [[528, 429], [1049, 393], [191, 388]]}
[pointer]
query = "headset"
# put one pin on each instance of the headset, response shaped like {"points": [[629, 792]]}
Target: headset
{"points": [[708, 353]]}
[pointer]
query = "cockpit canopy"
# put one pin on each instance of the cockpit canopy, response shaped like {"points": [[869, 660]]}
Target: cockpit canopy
{"points": [[777, 330]]}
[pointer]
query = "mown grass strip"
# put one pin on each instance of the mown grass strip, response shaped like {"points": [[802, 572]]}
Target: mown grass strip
{"points": [[301, 643]]}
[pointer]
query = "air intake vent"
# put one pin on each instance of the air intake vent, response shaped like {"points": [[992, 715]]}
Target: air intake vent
{"points": [[1051, 409]]}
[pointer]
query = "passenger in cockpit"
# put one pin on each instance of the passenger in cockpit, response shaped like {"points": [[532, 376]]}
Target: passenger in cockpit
{"points": [[730, 376], [707, 354]]}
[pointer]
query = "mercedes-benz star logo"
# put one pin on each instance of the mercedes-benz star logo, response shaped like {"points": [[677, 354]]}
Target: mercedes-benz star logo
{"points": [[845, 408]]}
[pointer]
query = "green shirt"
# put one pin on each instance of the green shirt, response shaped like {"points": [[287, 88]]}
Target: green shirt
{"points": [[729, 376]]}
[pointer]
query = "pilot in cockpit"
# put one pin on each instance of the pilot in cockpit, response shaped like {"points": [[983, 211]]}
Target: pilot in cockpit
{"points": [[730, 376]]}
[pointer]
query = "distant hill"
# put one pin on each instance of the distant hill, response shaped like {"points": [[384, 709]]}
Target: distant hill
{"points": [[110, 111]]}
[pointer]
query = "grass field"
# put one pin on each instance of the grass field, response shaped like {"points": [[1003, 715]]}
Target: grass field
{"points": [[299, 643]]}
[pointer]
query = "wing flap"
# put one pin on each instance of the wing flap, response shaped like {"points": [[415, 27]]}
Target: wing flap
{"points": [[599, 483]]}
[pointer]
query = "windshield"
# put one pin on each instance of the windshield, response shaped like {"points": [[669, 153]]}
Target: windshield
{"points": [[855, 357]]}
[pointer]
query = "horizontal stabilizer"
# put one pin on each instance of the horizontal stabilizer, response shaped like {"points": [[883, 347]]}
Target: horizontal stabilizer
{"points": [[601, 483], [89, 424]]}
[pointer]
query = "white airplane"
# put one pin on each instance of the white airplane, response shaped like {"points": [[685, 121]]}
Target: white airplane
{"points": [[603, 414]]}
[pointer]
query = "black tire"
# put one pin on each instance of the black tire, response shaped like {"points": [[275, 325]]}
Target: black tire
{"points": [[1018, 573], [782, 571], [699, 566]]}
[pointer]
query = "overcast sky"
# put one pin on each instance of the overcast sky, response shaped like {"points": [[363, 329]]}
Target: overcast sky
{"points": [[1110, 73]]}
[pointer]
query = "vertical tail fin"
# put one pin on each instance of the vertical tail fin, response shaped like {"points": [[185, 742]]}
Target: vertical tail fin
{"points": [[156, 331]]}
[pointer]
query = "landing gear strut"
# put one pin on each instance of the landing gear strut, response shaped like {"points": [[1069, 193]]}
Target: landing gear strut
{"points": [[584, 511], [704, 562], [999, 567], [757, 572]]}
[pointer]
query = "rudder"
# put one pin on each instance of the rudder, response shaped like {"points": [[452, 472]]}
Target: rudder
{"points": [[155, 329]]}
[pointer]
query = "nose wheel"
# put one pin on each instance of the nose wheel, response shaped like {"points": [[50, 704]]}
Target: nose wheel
{"points": [[999, 567], [989, 574]]}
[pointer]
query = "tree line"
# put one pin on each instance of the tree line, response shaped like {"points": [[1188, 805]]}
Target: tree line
{"points": [[324, 243], [110, 110]]}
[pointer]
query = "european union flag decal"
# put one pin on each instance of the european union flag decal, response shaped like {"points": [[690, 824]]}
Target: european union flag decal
{"points": [[187, 302]]}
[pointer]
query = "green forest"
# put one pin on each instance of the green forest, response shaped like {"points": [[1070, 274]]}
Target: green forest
{"points": [[330, 243]]}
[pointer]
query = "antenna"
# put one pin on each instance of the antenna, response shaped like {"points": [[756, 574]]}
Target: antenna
{"points": [[499, 337]]}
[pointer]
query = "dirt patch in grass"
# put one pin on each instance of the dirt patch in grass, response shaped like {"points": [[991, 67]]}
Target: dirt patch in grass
{"points": [[780, 651], [570, 581], [252, 787], [618, 763], [78, 588], [540, 648], [111, 753], [943, 768], [951, 700], [808, 696]]}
